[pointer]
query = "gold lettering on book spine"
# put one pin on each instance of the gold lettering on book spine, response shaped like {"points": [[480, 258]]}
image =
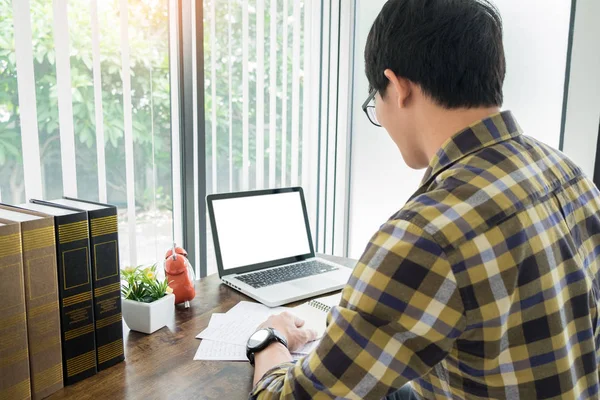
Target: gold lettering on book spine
{"points": [[110, 351], [12, 320], [44, 344], [74, 333], [14, 358], [47, 378], [46, 308], [79, 364], [113, 287], [38, 238], [78, 298], [104, 226], [21, 390], [10, 245], [72, 232], [101, 323]]}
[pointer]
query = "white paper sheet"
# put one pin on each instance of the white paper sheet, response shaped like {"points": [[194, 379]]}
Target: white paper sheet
{"points": [[211, 350], [218, 351], [216, 320], [239, 323], [226, 336]]}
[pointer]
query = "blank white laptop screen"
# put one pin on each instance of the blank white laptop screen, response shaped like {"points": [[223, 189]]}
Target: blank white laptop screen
{"points": [[258, 229]]}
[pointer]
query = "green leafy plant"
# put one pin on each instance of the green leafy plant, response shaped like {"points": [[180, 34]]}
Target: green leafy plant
{"points": [[141, 284]]}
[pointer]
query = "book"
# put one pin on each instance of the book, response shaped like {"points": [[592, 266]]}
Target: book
{"points": [[74, 291], [14, 354], [41, 299], [106, 278], [314, 312]]}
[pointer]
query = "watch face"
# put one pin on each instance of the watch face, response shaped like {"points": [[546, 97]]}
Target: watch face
{"points": [[258, 338]]}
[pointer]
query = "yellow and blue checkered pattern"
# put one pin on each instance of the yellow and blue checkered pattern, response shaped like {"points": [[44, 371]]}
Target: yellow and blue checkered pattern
{"points": [[484, 285]]}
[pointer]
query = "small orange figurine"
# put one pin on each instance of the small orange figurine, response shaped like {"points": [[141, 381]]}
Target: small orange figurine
{"points": [[180, 275]]}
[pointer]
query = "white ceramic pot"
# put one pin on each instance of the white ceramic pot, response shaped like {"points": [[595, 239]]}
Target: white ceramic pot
{"points": [[149, 317]]}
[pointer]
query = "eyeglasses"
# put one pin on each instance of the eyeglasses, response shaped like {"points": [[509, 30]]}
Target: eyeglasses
{"points": [[369, 108]]}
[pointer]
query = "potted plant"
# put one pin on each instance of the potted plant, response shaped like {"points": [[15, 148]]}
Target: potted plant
{"points": [[148, 303]]}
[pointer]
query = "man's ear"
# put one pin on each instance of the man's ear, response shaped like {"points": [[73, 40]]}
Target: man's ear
{"points": [[400, 87]]}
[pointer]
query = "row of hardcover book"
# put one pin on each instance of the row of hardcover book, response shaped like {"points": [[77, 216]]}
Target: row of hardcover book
{"points": [[60, 298]]}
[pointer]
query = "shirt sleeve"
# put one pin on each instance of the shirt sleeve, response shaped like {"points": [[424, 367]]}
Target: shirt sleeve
{"points": [[399, 316]]}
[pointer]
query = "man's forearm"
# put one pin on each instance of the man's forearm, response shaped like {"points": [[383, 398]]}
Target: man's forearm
{"points": [[273, 355]]}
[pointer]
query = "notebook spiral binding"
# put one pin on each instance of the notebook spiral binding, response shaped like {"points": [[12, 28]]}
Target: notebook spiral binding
{"points": [[319, 306]]}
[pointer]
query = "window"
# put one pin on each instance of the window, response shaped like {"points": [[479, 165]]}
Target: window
{"points": [[89, 107], [86, 85], [254, 84], [255, 63], [12, 187]]}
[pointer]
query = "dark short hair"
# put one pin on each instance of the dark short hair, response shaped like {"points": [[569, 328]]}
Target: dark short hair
{"points": [[451, 48]]}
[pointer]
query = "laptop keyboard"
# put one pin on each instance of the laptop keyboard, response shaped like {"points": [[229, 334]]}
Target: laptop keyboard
{"points": [[284, 274]]}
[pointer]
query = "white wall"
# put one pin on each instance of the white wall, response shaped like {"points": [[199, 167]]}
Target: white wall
{"points": [[380, 181], [535, 36], [583, 106]]}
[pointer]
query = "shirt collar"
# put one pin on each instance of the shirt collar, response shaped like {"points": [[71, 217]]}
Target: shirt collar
{"points": [[494, 129]]}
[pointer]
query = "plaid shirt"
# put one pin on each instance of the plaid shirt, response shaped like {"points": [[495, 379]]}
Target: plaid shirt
{"points": [[484, 285]]}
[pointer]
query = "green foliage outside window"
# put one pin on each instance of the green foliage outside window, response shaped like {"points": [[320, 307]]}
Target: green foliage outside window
{"points": [[150, 84], [148, 36]]}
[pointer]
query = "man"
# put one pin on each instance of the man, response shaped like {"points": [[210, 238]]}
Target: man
{"points": [[484, 285]]}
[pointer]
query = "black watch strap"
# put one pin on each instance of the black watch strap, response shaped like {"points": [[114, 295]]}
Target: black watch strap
{"points": [[273, 336]]}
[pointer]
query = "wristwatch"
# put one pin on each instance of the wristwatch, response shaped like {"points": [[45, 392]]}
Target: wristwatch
{"points": [[261, 339]]}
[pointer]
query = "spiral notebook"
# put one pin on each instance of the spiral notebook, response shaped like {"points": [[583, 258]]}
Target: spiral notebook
{"points": [[314, 312]]}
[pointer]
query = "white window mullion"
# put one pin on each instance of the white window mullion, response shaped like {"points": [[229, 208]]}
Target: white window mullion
{"points": [[102, 195], [582, 112], [196, 159], [27, 100], [245, 99], [284, 113], [230, 68], [312, 38], [175, 152], [273, 96], [295, 93], [334, 79], [260, 93], [213, 92], [65, 100], [324, 89], [128, 131], [343, 148], [307, 83]]}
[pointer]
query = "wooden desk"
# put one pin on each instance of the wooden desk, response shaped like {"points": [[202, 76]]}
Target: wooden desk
{"points": [[161, 365]]}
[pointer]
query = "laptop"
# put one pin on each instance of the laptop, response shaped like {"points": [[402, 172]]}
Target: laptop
{"points": [[264, 247]]}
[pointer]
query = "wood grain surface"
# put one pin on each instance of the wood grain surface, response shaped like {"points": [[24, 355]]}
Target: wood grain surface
{"points": [[161, 365]]}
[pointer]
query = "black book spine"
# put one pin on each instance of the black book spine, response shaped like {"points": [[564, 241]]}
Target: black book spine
{"points": [[106, 273], [75, 293]]}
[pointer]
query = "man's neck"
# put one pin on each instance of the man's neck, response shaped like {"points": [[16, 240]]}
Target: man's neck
{"points": [[440, 124]]}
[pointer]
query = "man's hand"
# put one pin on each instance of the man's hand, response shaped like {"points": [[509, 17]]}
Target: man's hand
{"points": [[290, 326]]}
